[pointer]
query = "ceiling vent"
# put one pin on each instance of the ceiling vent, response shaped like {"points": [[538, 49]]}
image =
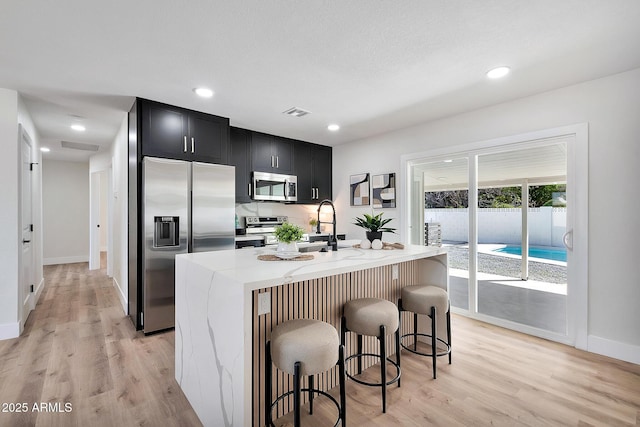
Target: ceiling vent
{"points": [[80, 146], [296, 112]]}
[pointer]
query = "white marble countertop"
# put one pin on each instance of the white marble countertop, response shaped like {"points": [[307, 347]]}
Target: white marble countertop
{"points": [[243, 266]]}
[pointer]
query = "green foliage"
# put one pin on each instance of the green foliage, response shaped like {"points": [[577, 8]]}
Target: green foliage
{"points": [[503, 197], [374, 223], [287, 233]]}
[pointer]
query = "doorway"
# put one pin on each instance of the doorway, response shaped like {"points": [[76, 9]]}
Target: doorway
{"points": [[487, 200], [27, 273], [100, 221]]}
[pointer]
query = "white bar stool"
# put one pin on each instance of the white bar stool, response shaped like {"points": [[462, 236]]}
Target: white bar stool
{"points": [[373, 317], [430, 301], [304, 347]]}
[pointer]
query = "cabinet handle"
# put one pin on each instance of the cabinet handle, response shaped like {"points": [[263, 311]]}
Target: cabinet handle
{"points": [[277, 162], [192, 145], [317, 195], [249, 189], [272, 161], [185, 143]]}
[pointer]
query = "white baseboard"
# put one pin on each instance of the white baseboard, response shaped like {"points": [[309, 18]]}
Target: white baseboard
{"points": [[615, 349], [65, 260], [9, 330], [121, 296]]}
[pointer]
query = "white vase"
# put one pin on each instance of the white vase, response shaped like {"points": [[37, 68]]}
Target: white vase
{"points": [[287, 247]]}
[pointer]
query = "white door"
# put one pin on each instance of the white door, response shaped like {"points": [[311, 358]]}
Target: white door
{"points": [[94, 222], [27, 300]]}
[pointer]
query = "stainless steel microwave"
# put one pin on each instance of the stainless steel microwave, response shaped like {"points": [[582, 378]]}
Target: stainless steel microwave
{"points": [[274, 187]]}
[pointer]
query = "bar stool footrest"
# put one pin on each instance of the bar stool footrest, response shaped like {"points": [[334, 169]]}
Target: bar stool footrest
{"points": [[443, 353], [359, 381], [310, 390]]}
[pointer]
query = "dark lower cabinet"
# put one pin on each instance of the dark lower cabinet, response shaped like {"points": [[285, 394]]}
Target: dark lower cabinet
{"points": [[314, 170], [240, 140], [177, 133]]}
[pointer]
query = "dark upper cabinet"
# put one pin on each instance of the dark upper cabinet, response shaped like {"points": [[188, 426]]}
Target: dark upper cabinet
{"points": [[271, 153], [314, 170], [177, 133], [240, 143]]}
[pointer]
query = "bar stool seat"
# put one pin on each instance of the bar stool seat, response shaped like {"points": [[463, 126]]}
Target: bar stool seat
{"points": [[373, 317], [428, 300], [304, 347]]}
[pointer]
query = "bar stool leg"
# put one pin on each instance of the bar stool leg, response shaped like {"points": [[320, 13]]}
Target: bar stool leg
{"points": [[415, 331], [311, 387], [359, 352], [343, 387], [398, 349], [449, 332], [383, 366], [267, 385], [296, 394], [434, 346]]}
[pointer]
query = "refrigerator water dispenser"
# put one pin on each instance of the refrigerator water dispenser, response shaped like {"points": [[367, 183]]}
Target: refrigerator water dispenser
{"points": [[166, 231]]}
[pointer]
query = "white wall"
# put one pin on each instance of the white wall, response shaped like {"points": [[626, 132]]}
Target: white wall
{"points": [[611, 107], [502, 225], [65, 199], [9, 221], [120, 162]]}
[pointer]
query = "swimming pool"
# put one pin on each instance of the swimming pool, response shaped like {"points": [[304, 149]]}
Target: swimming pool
{"points": [[559, 254]]}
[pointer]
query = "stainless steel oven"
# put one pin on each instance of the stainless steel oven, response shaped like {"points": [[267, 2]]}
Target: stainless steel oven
{"points": [[274, 187], [265, 227]]}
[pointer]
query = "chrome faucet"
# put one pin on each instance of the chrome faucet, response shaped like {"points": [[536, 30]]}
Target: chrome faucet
{"points": [[333, 239]]}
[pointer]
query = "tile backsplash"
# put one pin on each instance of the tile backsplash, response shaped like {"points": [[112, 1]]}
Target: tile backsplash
{"points": [[298, 214]]}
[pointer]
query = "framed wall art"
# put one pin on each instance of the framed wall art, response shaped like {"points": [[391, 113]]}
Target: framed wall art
{"points": [[359, 189], [384, 190]]}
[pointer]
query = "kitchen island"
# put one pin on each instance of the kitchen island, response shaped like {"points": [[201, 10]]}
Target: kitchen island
{"points": [[228, 301]]}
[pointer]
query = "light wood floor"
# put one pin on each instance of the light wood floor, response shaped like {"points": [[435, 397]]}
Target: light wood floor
{"points": [[79, 348]]}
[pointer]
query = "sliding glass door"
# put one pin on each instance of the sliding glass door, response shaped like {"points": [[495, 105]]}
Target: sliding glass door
{"points": [[501, 211], [521, 215]]}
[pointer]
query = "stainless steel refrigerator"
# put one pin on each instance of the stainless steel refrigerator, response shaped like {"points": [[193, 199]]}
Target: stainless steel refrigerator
{"points": [[187, 207]]}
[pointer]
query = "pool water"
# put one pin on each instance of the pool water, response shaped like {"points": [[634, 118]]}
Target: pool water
{"points": [[552, 254]]}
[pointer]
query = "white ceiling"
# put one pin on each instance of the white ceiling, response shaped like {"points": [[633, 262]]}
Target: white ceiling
{"points": [[540, 165], [372, 67]]}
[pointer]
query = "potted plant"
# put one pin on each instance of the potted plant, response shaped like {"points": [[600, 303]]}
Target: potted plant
{"points": [[288, 236], [375, 225], [313, 223]]}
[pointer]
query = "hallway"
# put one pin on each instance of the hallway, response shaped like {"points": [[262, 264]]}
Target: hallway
{"points": [[79, 349]]}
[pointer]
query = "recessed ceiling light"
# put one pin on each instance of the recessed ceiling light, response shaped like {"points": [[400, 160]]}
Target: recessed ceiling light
{"points": [[333, 127], [203, 92], [78, 128], [498, 72], [45, 149]]}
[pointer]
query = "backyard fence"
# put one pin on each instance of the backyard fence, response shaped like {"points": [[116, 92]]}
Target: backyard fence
{"points": [[546, 225]]}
